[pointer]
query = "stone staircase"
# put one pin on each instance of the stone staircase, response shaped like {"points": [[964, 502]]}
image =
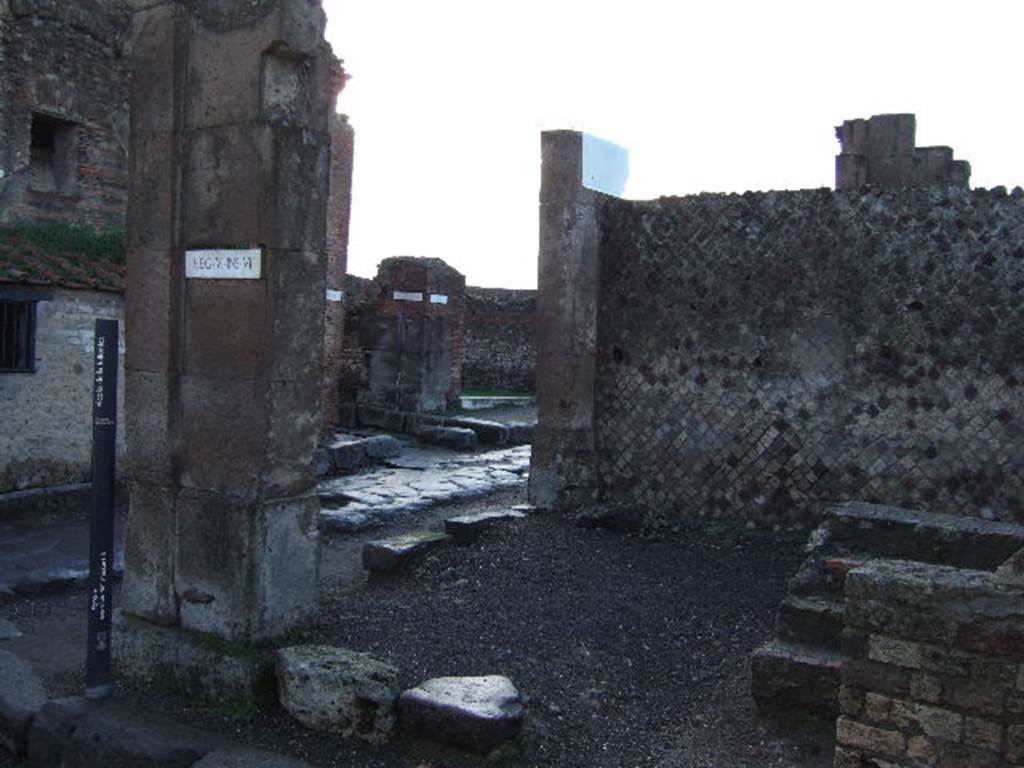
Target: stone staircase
{"points": [[798, 670]]}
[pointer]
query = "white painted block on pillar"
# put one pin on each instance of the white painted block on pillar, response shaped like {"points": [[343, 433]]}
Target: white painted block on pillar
{"points": [[605, 165]]}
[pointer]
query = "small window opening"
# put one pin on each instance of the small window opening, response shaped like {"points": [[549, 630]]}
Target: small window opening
{"points": [[17, 336], [52, 155]]}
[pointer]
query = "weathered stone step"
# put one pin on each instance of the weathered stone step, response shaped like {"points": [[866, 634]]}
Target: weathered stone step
{"points": [[816, 621], [466, 528], [487, 432], [395, 553], [788, 677], [454, 438], [927, 537]]}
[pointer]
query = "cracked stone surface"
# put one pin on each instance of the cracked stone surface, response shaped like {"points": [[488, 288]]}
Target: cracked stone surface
{"points": [[418, 479]]}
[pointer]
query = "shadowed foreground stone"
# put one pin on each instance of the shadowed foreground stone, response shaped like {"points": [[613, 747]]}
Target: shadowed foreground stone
{"points": [[8, 631], [476, 713], [76, 732], [338, 690], [21, 696], [467, 528], [389, 555], [248, 758]]}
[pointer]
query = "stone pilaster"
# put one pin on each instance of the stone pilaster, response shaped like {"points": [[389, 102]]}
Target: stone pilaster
{"points": [[230, 151]]}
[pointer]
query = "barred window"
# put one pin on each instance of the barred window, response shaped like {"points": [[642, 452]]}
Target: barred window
{"points": [[17, 336]]}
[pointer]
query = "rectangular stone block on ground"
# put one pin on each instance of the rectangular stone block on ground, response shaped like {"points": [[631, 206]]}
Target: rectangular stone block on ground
{"points": [[393, 554]]}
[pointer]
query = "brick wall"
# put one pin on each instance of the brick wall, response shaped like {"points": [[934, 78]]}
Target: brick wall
{"points": [[500, 351], [65, 63], [767, 354], [934, 675]]}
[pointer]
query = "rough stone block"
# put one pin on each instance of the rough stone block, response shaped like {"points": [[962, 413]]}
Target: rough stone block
{"points": [[467, 528], [151, 311], [475, 713], [887, 650], [223, 435], [191, 662], [151, 183], [342, 521], [296, 283], [520, 433], [381, 418], [347, 453], [148, 589], [487, 432], [792, 677], [851, 733], [150, 399], [226, 332], [334, 689], [294, 431], [245, 570], [21, 696], [382, 447], [934, 721], [390, 555], [450, 437], [983, 734]]}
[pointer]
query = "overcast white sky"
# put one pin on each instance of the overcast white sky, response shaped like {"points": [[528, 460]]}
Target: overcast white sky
{"points": [[448, 98]]}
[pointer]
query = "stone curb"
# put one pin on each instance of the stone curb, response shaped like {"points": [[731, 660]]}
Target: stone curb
{"points": [[395, 553]]}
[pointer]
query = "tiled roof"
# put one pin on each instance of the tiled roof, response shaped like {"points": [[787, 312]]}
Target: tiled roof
{"points": [[28, 265]]}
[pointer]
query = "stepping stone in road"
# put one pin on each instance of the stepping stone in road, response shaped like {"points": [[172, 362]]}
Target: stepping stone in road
{"points": [[334, 689], [487, 432], [450, 437], [475, 713], [466, 528], [382, 447], [390, 555]]}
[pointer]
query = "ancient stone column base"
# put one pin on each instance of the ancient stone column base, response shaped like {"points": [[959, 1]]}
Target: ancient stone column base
{"points": [[191, 663]]}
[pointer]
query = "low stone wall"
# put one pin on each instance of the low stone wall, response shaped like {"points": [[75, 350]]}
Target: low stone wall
{"points": [[500, 351], [935, 674]]}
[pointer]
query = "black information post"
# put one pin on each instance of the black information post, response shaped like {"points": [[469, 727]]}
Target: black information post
{"points": [[101, 523]]}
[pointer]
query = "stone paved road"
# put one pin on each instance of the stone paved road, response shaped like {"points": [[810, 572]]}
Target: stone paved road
{"points": [[418, 479]]}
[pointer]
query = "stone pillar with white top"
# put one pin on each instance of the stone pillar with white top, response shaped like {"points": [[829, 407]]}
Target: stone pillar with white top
{"points": [[226, 286], [577, 171]]}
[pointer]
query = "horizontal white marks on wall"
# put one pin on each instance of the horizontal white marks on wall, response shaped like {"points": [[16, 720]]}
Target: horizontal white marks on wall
{"points": [[334, 295], [407, 296], [438, 298]]}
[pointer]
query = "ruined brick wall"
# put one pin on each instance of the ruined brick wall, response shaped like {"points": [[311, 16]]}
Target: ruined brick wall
{"points": [[64, 111], [764, 355], [47, 414], [935, 669], [500, 352]]}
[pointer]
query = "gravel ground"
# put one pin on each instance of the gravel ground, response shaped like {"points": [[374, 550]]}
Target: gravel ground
{"points": [[630, 652]]}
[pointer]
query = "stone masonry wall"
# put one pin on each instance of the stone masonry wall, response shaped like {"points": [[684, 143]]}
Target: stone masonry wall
{"points": [[765, 355], [935, 670], [47, 415], [500, 339], [64, 68]]}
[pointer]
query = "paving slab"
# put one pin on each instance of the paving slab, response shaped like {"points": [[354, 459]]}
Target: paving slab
{"points": [[237, 757], [8, 631]]}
